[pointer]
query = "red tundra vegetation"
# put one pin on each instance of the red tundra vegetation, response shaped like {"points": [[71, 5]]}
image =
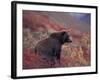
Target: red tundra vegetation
{"points": [[37, 26]]}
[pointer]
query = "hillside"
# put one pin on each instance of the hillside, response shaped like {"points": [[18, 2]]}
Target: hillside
{"points": [[39, 25]]}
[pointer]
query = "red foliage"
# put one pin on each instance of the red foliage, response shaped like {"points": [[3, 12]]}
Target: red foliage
{"points": [[79, 56]]}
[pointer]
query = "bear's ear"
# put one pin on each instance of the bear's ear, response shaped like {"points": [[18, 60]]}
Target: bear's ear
{"points": [[63, 33]]}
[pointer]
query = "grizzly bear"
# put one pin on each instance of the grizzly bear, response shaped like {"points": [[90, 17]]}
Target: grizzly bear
{"points": [[50, 48]]}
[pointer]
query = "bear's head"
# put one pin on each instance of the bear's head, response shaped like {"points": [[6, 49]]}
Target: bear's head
{"points": [[63, 37]]}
